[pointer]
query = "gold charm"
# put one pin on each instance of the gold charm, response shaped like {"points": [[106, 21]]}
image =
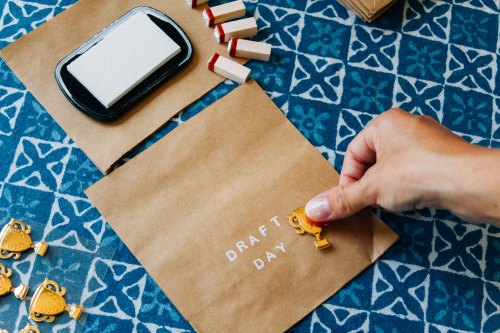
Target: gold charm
{"points": [[29, 329], [48, 302], [299, 221], [14, 239], [7, 287]]}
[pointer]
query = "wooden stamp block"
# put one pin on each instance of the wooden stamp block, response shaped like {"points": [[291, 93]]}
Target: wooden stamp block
{"points": [[249, 49], [194, 3], [228, 68], [243, 28], [222, 13]]}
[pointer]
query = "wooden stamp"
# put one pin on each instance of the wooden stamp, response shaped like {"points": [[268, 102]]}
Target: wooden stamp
{"points": [[243, 28], [194, 3], [249, 49], [228, 68], [225, 12]]}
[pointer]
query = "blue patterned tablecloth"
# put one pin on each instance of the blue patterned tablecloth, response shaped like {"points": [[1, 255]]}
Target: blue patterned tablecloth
{"points": [[331, 74]]}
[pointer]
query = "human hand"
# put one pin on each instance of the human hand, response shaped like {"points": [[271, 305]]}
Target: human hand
{"points": [[402, 161]]}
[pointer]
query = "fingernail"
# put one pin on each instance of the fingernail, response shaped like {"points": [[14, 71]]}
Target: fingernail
{"points": [[319, 208]]}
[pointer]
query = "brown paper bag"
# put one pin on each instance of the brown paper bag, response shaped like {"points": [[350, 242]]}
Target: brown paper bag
{"points": [[373, 7], [368, 10], [204, 210], [34, 57]]}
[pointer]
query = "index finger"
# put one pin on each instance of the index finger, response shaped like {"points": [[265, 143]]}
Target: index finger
{"points": [[359, 157]]}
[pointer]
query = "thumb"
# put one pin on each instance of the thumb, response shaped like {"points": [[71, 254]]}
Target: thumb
{"points": [[339, 202]]}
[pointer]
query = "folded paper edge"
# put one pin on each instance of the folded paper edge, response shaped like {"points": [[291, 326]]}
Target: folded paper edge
{"points": [[110, 165]]}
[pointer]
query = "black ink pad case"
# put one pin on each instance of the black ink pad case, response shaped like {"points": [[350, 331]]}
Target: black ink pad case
{"points": [[116, 68]]}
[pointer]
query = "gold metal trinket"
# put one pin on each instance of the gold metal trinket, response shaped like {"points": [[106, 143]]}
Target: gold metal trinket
{"points": [[29, 329], [299, 221], [48, 302], [14, 239], [7, 287]]}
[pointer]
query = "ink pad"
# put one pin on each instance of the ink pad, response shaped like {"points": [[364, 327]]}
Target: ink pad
{"points": [[116, 68]]}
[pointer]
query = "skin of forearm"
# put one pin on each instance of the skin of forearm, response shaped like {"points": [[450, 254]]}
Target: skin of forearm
{"points": [[473, 185]]}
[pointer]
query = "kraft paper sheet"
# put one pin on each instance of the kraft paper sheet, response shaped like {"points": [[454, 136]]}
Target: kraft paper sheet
{"points": [[34, 57], [233, 172]]}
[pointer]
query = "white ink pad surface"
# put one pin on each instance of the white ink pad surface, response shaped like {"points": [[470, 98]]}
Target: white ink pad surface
{"points": [[122, 59], [114, 69]]}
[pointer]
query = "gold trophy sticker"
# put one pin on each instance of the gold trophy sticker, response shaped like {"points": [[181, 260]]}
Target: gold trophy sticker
{"points": [[15, 238], [29, 329], [6, 286], [299, 221], [48, 302]]}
